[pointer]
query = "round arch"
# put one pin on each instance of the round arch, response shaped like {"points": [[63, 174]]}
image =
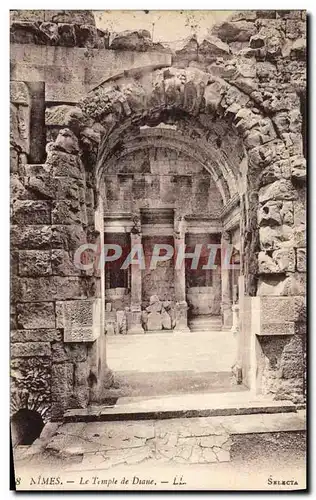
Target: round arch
{"points": [[109, 121]]}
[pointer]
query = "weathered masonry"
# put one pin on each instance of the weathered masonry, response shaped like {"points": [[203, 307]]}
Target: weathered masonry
{"points": [[124, 140]]}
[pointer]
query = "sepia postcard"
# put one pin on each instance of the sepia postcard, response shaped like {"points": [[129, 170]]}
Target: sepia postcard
{"points": [[158, 250]]}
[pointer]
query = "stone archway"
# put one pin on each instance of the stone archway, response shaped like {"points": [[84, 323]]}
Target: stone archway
{"points": [[75, 161], [115, 109]]}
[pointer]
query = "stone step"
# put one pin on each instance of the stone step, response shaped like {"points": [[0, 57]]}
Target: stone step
{"points": [[180, 406], [205, 328], [205, 323]]}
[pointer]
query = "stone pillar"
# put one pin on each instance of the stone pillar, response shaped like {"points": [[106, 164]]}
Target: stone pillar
{"points": [[134, 317], [235, 318], [235, 308], [100, 373], [226, 304], [179, 277]]}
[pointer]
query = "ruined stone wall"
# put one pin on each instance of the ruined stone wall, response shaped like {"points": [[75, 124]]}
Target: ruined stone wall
{"points": [[158, 178], [65, 50], [253, 71], [50, 219]]}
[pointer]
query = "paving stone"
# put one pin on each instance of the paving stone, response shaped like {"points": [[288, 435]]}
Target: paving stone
{"points": [[209, 455], [222, 455]]}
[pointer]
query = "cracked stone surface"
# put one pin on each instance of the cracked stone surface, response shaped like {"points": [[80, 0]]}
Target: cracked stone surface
{"points": [[103, 445]]}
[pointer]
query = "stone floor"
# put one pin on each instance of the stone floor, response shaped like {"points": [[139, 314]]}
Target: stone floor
{"points": [[227, 445], [172, 363], [163, 352]]}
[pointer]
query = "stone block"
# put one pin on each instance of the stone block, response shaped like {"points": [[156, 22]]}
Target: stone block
{"points": [[287, 213], [266, 264], [38, 335], [29, 212], [13, 318], [295, 28], [27, 15], [34, 263], [19, 93], [82, 371], [278, 328], [289, 14], [213, 95], [154, 321], [87, 36], [14, 163], [19, 127], [31, 237], [57, 115], [64, 164], [300, 309], [24, 32], [59, 354], [34, 315], [301, 328], [292, 284], [239, 31], [45, 289], [49, 33], [68, 237], [62, 352], [41, 289], [301, 259], [299, 236], [63, 264], [139, 41], [278, 309], [298, 49], [275, 171], [278, 190], [166, 320], [80, 397], [269, 214], [212, 47], [291, 362], [66, 212], [81, 319], [272, 238], [75, 287], [298, 168], [62, 381], [67, 189], [285, 259], [41, 187], [66, 141], [14, 262], [66, 35], [70, 16], [30, 349]]}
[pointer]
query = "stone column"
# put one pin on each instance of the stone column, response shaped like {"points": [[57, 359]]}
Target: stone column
{"points": [[226, 304], [179, 277], [134, 317]]}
